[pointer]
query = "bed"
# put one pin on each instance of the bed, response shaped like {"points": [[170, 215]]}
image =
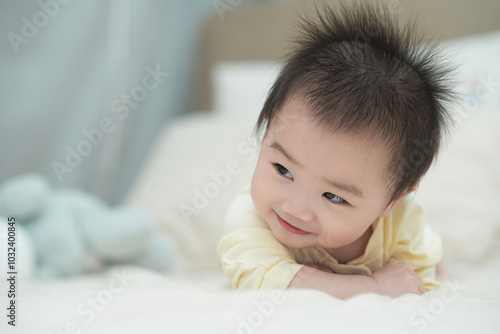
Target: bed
{"points": [[461, 194]]}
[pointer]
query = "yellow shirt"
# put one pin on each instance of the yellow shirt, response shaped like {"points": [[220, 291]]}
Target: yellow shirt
{"points": [[253, 259]]}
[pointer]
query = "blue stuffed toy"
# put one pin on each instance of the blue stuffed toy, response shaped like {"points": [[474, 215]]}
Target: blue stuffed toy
{"points": [[73, 232]]}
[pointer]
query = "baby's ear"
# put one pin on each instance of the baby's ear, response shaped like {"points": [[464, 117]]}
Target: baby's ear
{"points": [[414, 188], [393, 204]]}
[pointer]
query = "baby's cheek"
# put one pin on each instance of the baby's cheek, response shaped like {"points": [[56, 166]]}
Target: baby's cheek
{"points": [[259, 194], [331, 237]]}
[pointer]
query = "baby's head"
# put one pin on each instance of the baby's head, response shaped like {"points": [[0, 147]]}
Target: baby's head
{"points": [[352, 123]]}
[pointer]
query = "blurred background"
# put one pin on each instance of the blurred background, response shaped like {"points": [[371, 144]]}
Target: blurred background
{"points": [[86, 86]]}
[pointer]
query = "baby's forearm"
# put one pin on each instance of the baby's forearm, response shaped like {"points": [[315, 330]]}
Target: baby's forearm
{"points": [[337, 285]]}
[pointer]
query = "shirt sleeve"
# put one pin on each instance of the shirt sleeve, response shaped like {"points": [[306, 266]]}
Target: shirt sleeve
{"points": [[250, 256], [415, 243]]}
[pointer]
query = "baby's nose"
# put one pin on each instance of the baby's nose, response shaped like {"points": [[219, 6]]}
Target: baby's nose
{"points": [[299, 208]]}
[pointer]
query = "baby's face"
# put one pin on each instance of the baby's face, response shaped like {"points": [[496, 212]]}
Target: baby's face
{"points": [[315, 188]]}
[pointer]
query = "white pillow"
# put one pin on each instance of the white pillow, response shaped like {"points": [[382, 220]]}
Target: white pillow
{"points": [[462, 190], [198, 166], [240, 88]]}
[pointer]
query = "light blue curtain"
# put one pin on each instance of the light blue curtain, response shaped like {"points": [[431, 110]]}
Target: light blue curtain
{"points": [[86, 85]]}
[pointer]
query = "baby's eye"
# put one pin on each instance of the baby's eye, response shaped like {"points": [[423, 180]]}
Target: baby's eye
{"points": [[334, 198], [283, 171]]}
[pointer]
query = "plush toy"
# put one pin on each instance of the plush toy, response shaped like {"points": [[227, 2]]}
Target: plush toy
{"points": [[73, 232]]}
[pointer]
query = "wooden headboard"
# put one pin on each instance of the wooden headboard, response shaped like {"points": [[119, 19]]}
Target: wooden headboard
{"points": [[264, 32]]}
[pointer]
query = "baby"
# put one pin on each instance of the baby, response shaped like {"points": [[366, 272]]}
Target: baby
{"points": [[351, 124]]}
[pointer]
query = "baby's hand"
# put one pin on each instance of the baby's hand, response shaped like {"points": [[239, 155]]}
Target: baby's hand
{"points": [[398, 278]]}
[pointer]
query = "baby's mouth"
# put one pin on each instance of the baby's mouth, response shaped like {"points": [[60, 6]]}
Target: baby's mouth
{"points": [[290, 228]]}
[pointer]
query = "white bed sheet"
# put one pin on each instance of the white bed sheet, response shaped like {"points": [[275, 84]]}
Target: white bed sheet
{"points": [[134, 300]]}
